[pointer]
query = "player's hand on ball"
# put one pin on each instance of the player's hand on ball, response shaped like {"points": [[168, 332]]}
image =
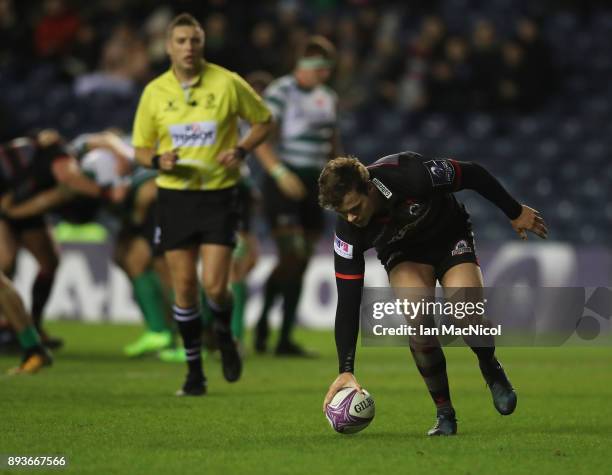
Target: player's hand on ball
{"points": [[344, 380], [291, 186], [530, 220], [167, 160]]}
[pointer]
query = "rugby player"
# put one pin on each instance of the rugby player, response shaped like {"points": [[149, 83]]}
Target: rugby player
{"points": [[30, 167], [306, 122], [403, 206], [35, 355]]}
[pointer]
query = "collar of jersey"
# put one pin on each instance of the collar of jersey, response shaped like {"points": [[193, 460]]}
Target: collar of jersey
{"points": [[196, 83]]}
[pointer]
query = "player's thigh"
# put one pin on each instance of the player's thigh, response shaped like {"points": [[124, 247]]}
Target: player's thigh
{"points": [[183, 274], [8, 248], [414, 282], [412, 275], [41, 245], [144, 198], [463, 283], [160, 265], [137, 257], [216, 260], [290, 242], [466, 274]]}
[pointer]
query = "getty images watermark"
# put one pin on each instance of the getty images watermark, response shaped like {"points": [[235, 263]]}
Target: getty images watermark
{"points": [[513, 316]]}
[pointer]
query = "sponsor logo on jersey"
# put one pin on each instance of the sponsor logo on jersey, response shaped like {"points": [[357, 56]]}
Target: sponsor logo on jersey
{"points": [[382, 188], [441, 172], [461, 248], [196, 134], [343, 249]]}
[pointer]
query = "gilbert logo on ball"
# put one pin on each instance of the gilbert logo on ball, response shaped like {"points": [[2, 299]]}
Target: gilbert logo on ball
{"points": [[350, 411]]}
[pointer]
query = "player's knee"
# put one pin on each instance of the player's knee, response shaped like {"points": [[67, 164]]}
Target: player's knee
{"points": [[185, 291], [423, 343], [185, 298], [216, 291]]}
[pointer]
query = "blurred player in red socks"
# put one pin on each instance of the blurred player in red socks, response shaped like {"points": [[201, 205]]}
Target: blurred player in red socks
{"points": [[30, 166], [109, 162], [35, 355]]}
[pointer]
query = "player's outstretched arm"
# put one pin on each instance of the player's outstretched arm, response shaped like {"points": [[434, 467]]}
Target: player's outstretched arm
{"points": [[349, 266], [523, 218], [38, 205], [287, 181]]}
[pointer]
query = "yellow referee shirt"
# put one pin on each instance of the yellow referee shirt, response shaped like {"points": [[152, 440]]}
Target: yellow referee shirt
{"points": [[199, 121]]}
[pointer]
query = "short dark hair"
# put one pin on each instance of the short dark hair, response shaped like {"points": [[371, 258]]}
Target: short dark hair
{"points": [[183, 19], [339, 177], [319, 46]]}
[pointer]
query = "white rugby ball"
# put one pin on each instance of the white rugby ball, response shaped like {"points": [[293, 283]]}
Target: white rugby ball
{"points": [[350, 411]]}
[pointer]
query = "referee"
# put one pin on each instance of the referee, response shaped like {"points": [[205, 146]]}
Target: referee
{"points": [[186, 126]]}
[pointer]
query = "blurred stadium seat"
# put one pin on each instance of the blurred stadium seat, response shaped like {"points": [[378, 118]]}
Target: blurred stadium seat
{"points": [[555, 156]]}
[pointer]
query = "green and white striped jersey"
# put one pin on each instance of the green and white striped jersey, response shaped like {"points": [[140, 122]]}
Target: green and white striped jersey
{"points": [[306, 121]]}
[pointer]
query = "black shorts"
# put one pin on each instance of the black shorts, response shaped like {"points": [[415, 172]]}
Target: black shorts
{"points": [[453, 246], [146, 230], [282, 211], [187, 218]]}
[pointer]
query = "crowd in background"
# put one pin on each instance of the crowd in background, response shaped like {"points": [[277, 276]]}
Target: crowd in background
{"points": [[520, 86], [390, 53]]}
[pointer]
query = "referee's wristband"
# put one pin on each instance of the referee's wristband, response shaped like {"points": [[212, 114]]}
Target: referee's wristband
{"points": [[278, 171], [155, 161], [241, 152]]}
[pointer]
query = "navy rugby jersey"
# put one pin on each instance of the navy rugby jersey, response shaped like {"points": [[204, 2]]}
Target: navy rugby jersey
{"points": [[419, 206]]}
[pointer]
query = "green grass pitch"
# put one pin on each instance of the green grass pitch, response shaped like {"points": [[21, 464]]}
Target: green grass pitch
{"points": [[111, 415]]}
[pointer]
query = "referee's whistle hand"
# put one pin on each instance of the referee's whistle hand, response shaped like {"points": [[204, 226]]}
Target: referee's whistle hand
{"points": [[167, 160], [530, 220]]}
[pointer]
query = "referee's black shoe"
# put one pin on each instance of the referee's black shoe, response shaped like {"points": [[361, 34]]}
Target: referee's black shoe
{"points": [[195, 385], [446, 424], [230, 356], [504, 396]]}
